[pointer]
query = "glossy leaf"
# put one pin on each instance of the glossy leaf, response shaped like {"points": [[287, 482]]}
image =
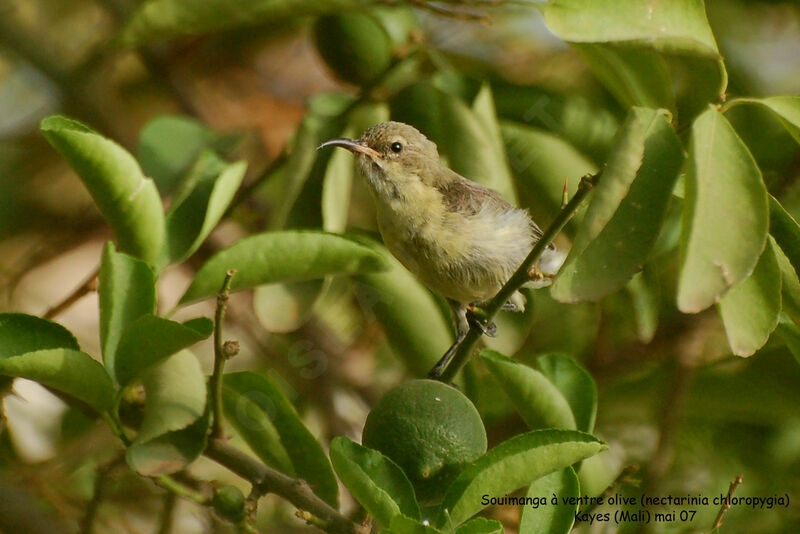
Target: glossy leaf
{"points": [[128, 200], [786, 108], [159, 19], [644, 293], [718, 250], [308, 459], [419, 337], [750, 309], [511, 465], [127, 292], [481, 525], [462, 138], [66, 370], [550, 518], [790, 334], [537, 400], [175, 400], [402, 524], [575, 383], [200, 203], [169, 145], [287, 256], [628, 206], [636, 77], [21, 333], [790, 284], [150, 339], [377, 483]]}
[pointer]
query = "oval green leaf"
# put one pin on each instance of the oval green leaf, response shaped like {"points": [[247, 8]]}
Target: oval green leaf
{"points": [[511, 465], [537, 400], [751, 308], [786, 108], [21, 333], [414, 324], [374, 480], [481, 525], [67, 370], [308, 459], [552, 518], [128, 200], [200, 203], [175, 418], [626, 212], [785, 230], [283, 308], [127, 291], [575, 383], [151, 339], [718, 250], [287, 256]]}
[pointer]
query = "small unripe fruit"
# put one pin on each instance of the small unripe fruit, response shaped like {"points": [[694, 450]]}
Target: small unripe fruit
{"points": [[228, 503]]}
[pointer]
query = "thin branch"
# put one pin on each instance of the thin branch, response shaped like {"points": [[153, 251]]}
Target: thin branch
{"points": [[727, 503], [181, 490], [293, 490], [103, 471], [222, 353], [167, 512], [89, 285], [520, 276]]}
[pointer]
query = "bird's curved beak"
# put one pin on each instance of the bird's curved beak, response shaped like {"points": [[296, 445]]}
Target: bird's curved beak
{"points": [[353, 146]]}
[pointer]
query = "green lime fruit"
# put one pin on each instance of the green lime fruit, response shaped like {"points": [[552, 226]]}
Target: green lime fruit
{"points": [[228, 503], [428, 428], [359, 46]]}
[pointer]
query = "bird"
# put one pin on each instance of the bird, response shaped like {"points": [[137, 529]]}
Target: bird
{"points": [[459, 238]]}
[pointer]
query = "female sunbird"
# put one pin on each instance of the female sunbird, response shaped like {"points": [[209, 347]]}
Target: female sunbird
{"points": [[459, 238]]}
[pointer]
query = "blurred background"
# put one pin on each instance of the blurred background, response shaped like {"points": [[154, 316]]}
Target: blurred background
{"points": [[672, 399]]}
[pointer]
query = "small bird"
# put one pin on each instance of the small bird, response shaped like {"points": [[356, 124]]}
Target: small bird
{"points": [[459, 238]]}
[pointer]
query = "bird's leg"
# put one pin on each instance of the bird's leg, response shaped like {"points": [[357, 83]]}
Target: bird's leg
{"points": [[476, 316], [462, 327], [535, 274]]}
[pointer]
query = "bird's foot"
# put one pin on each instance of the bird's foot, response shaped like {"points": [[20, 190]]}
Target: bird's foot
{"points": [[476, 316], [535, 275]]}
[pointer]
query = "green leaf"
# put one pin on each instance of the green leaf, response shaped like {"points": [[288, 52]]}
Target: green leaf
{"points": [[175, 421], [675, 27], [127, 199], [151, 339], [402, 524], [750, 309], [575, 383], [306, 454], [462, 137], [790, 284], [414, 324], [511, 465], [376, 482], [537, 400], [628, 206], [551, 518], [719, 251], [21, 333], [169, 145], [66, 370], [200, 203], [127, 291], [542, 163], [634, 76], [644, 293], [282, 308], [481, 525], [287, 256], [785, 230], [786, 108], [160, 19], [790, 334]]}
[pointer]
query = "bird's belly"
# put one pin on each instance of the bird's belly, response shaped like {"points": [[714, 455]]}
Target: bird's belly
{"points": [[464, 260]]}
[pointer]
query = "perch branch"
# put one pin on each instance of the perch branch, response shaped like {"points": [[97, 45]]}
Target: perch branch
{"points": [[221, 354], [88, 285], [727, 504]]}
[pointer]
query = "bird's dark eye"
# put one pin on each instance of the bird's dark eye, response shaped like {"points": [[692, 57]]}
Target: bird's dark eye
{"points": [[396, 147]]}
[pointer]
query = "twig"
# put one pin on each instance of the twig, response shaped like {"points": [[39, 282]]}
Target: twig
{"points": [[88, 285], [181, 490], [295, 491], [622, 478], [220, 356], [727, 503], [87, 523], [520, 276], [165, 521]]}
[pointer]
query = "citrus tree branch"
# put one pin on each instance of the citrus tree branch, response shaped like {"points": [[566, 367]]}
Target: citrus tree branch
{"points": [[221, 355], [519, 278], [266, 479]]}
